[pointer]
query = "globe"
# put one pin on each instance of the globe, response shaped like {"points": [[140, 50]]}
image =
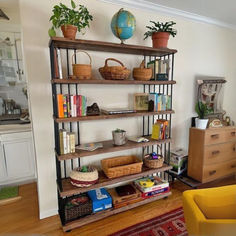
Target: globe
{"points": [[123, 25]]}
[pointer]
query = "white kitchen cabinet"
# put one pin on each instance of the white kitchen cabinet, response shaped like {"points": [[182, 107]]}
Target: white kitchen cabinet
{"points": [[17, 159]]}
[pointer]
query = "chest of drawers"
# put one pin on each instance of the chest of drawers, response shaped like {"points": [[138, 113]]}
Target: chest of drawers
{"points": [[212, 153]]}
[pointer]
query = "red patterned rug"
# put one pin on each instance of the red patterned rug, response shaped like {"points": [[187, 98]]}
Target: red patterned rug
{"points": [[169, 224]]}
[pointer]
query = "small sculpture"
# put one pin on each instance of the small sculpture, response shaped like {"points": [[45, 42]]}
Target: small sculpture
{"points": [[93, 110]]}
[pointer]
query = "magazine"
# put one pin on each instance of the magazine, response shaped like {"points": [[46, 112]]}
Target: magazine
{"points": [[89, 146]]}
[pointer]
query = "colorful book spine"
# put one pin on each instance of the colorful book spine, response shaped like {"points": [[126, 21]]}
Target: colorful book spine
{"points": [[65, 106], [163, 104], [168, 102], [72, 142], [68, 104], [80, 105], [60, 109], [74, 105], [77, 105], [155, 193], [153, 188], [159, 102]]}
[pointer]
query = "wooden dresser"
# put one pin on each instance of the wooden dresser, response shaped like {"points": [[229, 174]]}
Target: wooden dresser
{"points": [[212, 153]]}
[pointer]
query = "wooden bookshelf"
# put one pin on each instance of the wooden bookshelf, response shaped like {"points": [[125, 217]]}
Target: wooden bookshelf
{"points": [[103, 214], [103, 81], [105, 117], [108, 146], [93, 45], [68, 189]]}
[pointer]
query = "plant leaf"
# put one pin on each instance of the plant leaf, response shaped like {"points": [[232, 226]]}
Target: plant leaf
{"points": [[73, 4], [52, 32]]}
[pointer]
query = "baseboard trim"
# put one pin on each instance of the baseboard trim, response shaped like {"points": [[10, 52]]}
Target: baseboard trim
{"points": [[45, 214], [149, 6]]}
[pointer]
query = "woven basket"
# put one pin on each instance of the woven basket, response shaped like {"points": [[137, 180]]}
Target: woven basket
{"points": [[114, 72], [77, 206], [84, 179], [81, 71], [142, 73], [120, 166], [154, 163]]}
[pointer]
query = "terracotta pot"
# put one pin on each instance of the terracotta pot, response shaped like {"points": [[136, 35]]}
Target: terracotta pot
{"points": [[160, 39], [69, 31]]}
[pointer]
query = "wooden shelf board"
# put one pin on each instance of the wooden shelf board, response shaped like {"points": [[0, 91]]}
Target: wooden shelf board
{"points": [[104, 117], [108, 146], [103, 81], [100, 215], [92, 45], [68, 189]]}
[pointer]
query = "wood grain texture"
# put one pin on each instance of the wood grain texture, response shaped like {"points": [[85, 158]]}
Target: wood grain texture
{"points": [[117, 82], [108, 146], [212, 153], [92, 45], [105, 117], [68, 189], [22, 217], [95, 217]]}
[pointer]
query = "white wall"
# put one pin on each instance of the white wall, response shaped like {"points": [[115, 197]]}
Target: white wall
{"points": [[202, 50]]}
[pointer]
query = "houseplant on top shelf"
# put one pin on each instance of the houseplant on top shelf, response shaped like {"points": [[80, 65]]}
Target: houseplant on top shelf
{"points": [[69, 19], [202, 110], [160, 33]]}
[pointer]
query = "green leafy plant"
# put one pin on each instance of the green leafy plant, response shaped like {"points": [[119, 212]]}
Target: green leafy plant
{"points": [[63, 15], [202, 110], [119, 130], [161, 27]]}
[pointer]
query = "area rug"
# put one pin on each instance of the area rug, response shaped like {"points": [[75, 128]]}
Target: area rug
{"points": [[169, 224]]}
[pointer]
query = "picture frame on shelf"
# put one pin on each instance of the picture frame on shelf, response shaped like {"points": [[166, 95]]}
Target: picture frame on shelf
{"points": [[141, 101]]}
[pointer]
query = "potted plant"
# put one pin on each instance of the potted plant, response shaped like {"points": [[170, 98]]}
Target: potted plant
{"points": [[119, 137], [69, 19], [202, 110], [160, 33]]}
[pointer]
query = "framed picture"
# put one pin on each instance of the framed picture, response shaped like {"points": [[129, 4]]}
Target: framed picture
{"points": [[141, 101]]}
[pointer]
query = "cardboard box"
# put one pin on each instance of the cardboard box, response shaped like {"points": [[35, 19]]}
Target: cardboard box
{"points": [[178, 159]]}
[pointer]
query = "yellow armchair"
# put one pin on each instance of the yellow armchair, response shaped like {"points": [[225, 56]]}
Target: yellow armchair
{"points": [[210, 212]]}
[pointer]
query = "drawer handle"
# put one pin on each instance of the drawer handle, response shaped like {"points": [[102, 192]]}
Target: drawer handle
{"points": [[215, 152], [233, 166], [234, 149], [212, 172], [233, 133], [215, 136]]}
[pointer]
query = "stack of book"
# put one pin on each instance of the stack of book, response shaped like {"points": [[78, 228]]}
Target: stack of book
{"points": [[159, 102], [160, 130], [67, 142], [71, 105], [152, 186]]}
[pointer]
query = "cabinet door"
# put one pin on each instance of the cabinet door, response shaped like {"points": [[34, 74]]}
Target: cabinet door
{"points": [[19, 158], [3, 173]]}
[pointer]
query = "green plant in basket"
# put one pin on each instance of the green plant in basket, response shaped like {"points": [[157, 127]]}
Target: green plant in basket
{"points": [[71, 19]]}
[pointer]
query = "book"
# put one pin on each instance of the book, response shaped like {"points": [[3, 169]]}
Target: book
{"points": [[138, 139], [56, 70], [72, 142], [155, 192], [60, 106], [116, 111], [155, 132], [65, 106], [62, 141], [158, 184], [89, 146], [59, 64]]}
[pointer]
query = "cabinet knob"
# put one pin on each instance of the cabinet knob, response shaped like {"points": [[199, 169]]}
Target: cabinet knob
{"points": [[233, 166], [233, 133], [212, 172], [215, 136], [215, 152]]}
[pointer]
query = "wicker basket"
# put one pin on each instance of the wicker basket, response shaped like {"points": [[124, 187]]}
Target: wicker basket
{"points": [[120, 166], [77, 206], [142, 73], [114, 72], [81, 71], [84, 179], [154, 163]]}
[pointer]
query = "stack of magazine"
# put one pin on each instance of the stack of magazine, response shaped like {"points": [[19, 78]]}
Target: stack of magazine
{"points": [[89, 146]]}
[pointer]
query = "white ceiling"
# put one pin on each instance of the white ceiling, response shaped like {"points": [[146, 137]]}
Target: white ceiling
{"points": [[221, 10]]}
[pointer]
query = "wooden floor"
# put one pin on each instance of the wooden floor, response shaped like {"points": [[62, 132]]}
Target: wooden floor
{"points": [[22, 217]]}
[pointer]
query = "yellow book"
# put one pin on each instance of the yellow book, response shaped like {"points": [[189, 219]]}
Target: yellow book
{"points": [[155, 131]]}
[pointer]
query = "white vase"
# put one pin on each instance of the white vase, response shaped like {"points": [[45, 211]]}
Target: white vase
{"points": [[201, 123]]}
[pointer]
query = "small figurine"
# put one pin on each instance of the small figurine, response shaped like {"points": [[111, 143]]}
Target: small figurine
{"points": [[93, 110]]}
